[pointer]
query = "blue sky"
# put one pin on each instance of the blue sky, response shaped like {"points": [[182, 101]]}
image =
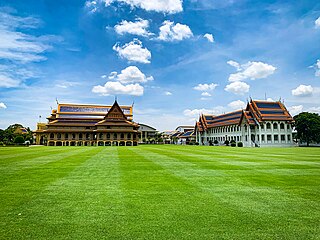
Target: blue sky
{"points": [[174, 59]]}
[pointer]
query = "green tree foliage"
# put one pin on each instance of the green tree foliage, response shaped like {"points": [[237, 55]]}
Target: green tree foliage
{"points": [[18, 140], [8, 135], [308, 127]]}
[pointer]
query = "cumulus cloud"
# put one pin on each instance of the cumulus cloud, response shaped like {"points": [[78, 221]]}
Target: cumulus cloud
{"points": [[167, 93], [237, 88], [2, 105], [131, 74], [314, 110], [250, 70], [206, 94], [127, 82], [209, 37], [317, 22], [133, 52], [205, 87], [114, 88], [294, 110], [174, 32], [196, 112], [302, 91], [238, 104], [165, 6], [139, 27]]}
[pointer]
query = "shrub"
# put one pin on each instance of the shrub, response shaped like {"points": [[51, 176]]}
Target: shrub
{"points": [[240, 144], [210, 143], [18, 140], [196, 143], [232, 141], [215, 142], [233, 144], [226, 142]]}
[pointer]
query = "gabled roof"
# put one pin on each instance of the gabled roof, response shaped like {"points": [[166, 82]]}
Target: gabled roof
{"points": [[255, 112], [187, 134]]}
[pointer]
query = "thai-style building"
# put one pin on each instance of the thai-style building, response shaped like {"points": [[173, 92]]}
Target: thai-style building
{"points": [[89, 125], [261, 123]]}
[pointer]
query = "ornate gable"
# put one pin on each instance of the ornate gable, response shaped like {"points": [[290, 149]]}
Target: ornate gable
{"points": [[115, 112]]}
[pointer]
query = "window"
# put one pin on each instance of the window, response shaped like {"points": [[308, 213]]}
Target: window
{"points": [[73, 135], [122, 136], [276, 138], [275, 126], [88, 136], [245, 127], [289, 138], [262, 137], [66, 136], [246, 138], [108, 135], [262, 126], [282, 126], [80, 136], [288, 126], [100, 135], [51, 135], [268, 137], [59, 135], [268, 125], [115, 136]]}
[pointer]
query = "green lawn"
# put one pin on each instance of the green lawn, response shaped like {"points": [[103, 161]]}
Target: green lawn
{"points": [[159, 192]]}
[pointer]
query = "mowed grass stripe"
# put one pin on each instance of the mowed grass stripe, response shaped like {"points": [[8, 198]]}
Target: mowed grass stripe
{"points": [[164, 192], [247, 193], [87, 203]]}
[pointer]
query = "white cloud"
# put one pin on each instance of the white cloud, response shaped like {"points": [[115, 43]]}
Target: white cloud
{"points": [[234, 64], [2, 105], [251, 70], [133, 52], [294, 110], [237, 88], [138, 27], [66, 85], [205, 87], [317, 22], [8, 82], [131, 74], [167, 93], [209, 37], [314, 110], [174, 32], [166, 6], [92, 6], [206, 94], [302, 91], [114, 88], [237, 105], [197, 112]]}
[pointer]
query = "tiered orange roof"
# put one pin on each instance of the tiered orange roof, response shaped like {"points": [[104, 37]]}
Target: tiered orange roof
{"points": [[255, 112]]}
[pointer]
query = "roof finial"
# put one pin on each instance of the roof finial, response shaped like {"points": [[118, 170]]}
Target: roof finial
{"points": [[57, 101], [115, 98]]}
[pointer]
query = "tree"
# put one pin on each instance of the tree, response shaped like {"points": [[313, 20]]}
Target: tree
{"points": [[308, 127], [18, 140]]}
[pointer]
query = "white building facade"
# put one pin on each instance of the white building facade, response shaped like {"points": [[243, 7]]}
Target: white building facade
{"points": [[261, 124]]}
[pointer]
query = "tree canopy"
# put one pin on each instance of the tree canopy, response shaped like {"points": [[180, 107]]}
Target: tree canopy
{"points": [[308, 127]]}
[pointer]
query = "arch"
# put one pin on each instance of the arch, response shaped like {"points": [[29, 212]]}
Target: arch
{"points": [[59, 135], [275, 126], [282, 126], [100, 143], [122, 143], [129, 136], [122, 136], [58, 143], [100, 135], [129, 143], [51, 136], [73, 136], [80, 136], [108, 135], [66, 136], [115, 136], [72, 143], [114, 143], [108, 143], [268, 125]]}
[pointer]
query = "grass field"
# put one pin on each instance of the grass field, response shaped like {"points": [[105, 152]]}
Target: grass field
{"points": [[159, 192]]}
